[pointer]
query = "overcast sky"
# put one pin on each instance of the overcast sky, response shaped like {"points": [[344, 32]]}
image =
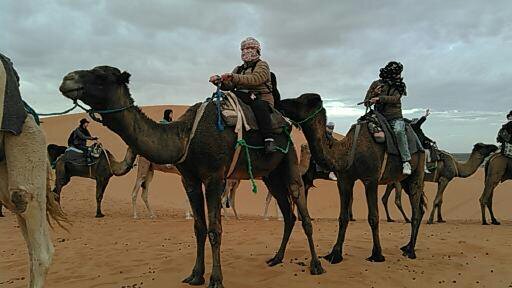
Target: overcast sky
{"points": [[457, 55]]}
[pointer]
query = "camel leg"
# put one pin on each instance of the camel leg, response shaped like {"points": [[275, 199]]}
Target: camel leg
{"points": [[25, 172], [345, 189], [414, 188], [61, 179], [385, 199], [494, 221], [398, 201], [277, 189], [214, 189], [268, 199], [232, 196], [350, 212], [145, 191], [135, 192], [441, 186], [1, 208], [194, 192], [101, 185], [371, 188]]}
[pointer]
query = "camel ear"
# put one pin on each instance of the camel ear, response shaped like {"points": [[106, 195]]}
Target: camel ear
{"points": [[124, 78]]}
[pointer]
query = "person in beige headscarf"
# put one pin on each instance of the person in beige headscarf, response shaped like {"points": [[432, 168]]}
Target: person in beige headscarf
{"points": [[251, 82]]}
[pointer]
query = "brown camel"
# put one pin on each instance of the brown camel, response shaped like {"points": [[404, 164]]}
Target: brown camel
{"points": [[447, 169], [25, 180], [206, 159], [368, 157], [101, 170], [498, 169], [145, 173]]}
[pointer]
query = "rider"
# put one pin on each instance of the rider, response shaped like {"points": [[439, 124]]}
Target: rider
{"points": [[427, 143], [386, 94], [167, 116], [505, 133], [78, 139], [251, 82]]}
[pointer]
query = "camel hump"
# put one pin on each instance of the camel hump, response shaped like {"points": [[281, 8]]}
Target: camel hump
{"points": [[231, 107]]}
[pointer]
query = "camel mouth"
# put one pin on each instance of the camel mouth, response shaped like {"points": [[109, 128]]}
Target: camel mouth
{"points": [[71, 92]]}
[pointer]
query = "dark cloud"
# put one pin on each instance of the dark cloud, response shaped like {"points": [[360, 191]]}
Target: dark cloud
{"points": [[456, 53]]}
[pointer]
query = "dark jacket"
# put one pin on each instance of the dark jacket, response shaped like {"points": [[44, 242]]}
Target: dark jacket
{"points": [[505, 133], [416, 126], [390, 103], [254, 78], [79, 137]]}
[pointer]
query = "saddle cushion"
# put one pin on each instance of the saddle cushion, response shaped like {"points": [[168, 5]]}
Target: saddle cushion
{"points": [[230, 115], [12, 109], [391, 144], [76, 157], [507, 149]]}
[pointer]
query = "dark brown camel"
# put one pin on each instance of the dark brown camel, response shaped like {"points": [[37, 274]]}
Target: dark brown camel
{"points": [[498, 169], [102, 170], [447, 169], [207, 161], [366, 166]]}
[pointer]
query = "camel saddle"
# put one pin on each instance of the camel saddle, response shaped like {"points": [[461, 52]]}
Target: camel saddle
{"points": [[506, 149], [12, 108], [382, 133], [230, 112], [76, 156]]}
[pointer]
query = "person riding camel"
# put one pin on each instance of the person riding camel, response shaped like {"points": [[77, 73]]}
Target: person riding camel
{"points": [[505, 136], [78, 139], [386, 93], [251, 82], [329, 130], [428, 144], [168, 113]]}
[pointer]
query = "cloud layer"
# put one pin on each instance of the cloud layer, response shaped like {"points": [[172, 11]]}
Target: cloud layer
{"points": [[456, 54]]}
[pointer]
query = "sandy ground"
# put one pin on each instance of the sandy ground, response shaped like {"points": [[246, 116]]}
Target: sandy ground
{"points": [[118, 251]]}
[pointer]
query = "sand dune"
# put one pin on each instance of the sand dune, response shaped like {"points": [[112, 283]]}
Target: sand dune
{"points": [[117, 251]]}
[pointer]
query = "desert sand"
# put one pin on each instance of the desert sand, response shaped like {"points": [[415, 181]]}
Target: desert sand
{"points": [[118, 251]]}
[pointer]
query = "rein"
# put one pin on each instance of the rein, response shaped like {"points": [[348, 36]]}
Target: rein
{"points": [[311, 116]]}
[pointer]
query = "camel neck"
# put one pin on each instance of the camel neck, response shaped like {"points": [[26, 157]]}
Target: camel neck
{"points": [[469, 167], [322, 152], [159, 143]]}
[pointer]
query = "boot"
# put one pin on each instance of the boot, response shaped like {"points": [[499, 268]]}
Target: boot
{"points": [[269, 145]]}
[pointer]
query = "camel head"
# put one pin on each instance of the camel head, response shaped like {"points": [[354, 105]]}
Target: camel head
{"points": [[485, 149], [306, 106], [95, 87]]}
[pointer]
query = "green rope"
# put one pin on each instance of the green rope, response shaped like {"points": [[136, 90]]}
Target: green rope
{"points": [[246, 148], [309, 117]]}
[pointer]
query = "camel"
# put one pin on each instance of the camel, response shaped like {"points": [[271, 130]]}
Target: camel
{"points": [[358, 159], [1, 208], [447, 169], [203, 157], [25, 181], [101, 170], [497, 170], [145, 173]]}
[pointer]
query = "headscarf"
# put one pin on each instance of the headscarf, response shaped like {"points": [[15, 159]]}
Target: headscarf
{"points": [[250, 50], [390, 74], [509, 115]]}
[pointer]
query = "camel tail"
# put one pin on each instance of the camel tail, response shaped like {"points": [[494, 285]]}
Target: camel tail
{"points": [[53, 210]]}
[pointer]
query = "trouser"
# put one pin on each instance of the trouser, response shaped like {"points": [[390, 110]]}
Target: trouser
{"points": [[261, 110], [398, 126]]}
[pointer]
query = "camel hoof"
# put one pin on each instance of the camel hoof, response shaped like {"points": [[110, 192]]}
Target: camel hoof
{"points": [[376, 258], [409, 252], [430, 221], [153, 216], [274, 261], [215, 284], [316, 267], [391, 220], [194, 280], [441, 221], [485, 223], [100, 215], [334, 257], [2, 215], [352, 219], [495, 222], [407, 220], [266, 219]]}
